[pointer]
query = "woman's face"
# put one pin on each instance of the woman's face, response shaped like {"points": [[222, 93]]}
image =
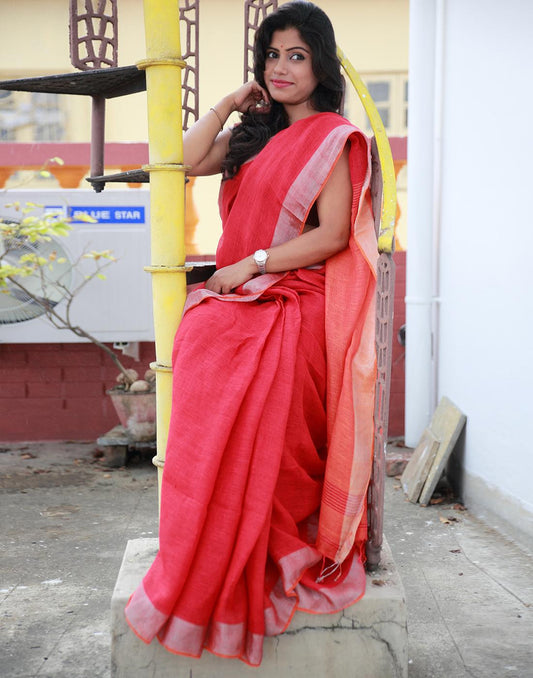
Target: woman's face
{"points": [[289, 75]]}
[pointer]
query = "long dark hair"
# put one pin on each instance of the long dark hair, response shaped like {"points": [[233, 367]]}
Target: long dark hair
{"points": [[316, 30]]}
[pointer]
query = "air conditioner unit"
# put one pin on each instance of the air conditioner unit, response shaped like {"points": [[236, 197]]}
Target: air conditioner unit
{"points": [[118, 309]]}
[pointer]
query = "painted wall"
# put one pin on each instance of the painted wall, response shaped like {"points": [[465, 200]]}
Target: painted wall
{"points": [[58, 391], [485, 349]]}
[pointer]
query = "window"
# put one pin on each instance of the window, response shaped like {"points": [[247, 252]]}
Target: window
{"points": [[390, 94], [380, 91], [406, 103], [7, 117], [48, 117], [26, 116]]}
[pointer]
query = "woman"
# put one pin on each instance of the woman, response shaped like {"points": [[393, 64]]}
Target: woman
{"points": [[263, 498]]}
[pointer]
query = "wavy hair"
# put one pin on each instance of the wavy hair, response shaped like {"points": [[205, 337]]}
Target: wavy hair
{"points": [[316, 30]]}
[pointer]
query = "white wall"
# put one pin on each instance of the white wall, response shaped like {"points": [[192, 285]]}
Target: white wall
{"points": [[485, 359]]}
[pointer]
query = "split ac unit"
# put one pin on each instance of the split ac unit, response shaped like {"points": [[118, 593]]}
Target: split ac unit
{"points": [[118, 309]]}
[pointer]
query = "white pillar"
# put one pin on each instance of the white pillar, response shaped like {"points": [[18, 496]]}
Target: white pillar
{"points": [[425, 87]]}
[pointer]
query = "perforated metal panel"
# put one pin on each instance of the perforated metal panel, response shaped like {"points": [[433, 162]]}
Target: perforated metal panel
{"points": [[189, 10], [93, 34], [254, 13]]}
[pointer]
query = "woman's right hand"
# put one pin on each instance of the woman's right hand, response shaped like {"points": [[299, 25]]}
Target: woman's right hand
{"points": [[205, 145], [251, 95]]}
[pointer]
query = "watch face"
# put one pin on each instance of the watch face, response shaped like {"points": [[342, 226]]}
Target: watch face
{"points": [[260, 258]]}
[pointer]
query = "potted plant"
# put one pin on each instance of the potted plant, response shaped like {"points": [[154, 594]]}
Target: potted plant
{"points": [[35, 272]]}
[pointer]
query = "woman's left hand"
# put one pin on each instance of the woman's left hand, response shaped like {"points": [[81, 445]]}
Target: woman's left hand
{"points": [[228, 278]]}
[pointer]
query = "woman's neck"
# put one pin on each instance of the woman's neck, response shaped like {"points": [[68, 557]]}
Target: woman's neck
{"points": [[299, 111]]}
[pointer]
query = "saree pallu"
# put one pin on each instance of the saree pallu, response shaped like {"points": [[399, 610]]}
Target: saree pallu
{"points": [[260, 491]]}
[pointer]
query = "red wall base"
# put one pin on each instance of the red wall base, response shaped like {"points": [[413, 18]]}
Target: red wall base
{"points": [[58, 391]]}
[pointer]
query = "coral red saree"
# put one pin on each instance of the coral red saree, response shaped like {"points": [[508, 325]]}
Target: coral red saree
{"points": [[263, 506]]}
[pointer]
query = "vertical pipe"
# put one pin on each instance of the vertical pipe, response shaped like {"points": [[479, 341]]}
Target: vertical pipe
{"points": [[438, 92], [163, 66], [418, 301], [97, 136]]}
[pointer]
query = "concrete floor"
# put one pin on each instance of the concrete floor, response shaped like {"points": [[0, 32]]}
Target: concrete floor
{"points": [[66, 520]]}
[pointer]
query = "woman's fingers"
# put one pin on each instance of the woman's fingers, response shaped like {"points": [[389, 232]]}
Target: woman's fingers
{"points": [[250, 95], [228, 278], [216, 283]]}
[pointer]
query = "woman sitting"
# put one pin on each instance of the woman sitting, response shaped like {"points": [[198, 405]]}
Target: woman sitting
{"points": [[263, 500]]}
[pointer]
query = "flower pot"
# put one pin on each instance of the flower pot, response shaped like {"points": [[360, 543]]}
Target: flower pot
{"points": [[136, 412]]}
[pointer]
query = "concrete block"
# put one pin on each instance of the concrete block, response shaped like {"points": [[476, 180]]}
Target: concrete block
{"points": [[416, 471], [446, 425], [114, 447], [367, 640], [396, 459]]}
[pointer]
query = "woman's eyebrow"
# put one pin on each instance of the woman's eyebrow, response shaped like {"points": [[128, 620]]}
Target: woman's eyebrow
{"points": [[290, 49]]}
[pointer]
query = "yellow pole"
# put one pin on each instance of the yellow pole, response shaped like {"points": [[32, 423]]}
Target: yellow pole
{"points": [[388, 212], [163, 66]]}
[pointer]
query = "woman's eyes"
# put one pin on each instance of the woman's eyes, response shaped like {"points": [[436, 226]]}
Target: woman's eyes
{"points": [[296, 56]]}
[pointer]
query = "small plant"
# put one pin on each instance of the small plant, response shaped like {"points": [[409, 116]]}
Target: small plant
{"points": [[48, 278]]}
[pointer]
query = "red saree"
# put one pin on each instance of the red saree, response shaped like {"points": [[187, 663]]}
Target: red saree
{"points": [[263, 436]]}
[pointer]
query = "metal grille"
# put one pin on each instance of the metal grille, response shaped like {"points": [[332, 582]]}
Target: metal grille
{"points": [[93, 34], [189, 23], [376, 490], [254, 13]]}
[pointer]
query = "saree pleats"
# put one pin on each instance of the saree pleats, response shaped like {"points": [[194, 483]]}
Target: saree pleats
{"points": [[240, 521]]}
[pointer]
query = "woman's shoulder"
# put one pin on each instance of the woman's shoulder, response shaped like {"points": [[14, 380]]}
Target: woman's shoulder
{"points": [[326, 123], [331, 120]]}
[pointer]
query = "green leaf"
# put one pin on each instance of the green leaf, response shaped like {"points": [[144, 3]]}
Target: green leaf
{"points": [[83, 216]]}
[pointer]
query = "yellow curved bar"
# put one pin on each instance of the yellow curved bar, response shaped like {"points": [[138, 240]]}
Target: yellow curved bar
{"points": [[388, 210], [163, 66]]}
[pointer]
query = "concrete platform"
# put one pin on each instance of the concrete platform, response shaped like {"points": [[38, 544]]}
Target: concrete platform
{"points": [[366, 640]]}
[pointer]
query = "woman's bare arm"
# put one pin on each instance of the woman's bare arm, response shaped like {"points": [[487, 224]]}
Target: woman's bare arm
{"points": [[312, 247], [204, 145]]}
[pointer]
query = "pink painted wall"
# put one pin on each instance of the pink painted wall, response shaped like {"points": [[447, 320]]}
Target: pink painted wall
{"points": [[58, 391]]}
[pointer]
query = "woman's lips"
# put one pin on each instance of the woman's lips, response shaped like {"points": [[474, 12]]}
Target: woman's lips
{"points": [[281, 83]]}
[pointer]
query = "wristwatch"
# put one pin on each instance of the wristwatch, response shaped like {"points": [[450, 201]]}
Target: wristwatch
{"points": [[260, 258]]}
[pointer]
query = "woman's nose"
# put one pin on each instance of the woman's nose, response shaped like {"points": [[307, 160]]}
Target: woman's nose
{"points": [[281, 65]]}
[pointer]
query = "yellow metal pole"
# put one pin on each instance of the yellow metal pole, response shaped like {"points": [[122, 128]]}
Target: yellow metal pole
{"points": [[388, 212], [163, 66]]}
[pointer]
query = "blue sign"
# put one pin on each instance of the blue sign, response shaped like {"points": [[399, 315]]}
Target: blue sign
{"points": [[107, 214]]}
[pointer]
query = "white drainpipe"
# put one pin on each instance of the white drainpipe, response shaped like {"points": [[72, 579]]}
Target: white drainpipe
{"points": [[424, 195]]}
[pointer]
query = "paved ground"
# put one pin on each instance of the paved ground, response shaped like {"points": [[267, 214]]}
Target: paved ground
{"points": [[66, 519]]}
